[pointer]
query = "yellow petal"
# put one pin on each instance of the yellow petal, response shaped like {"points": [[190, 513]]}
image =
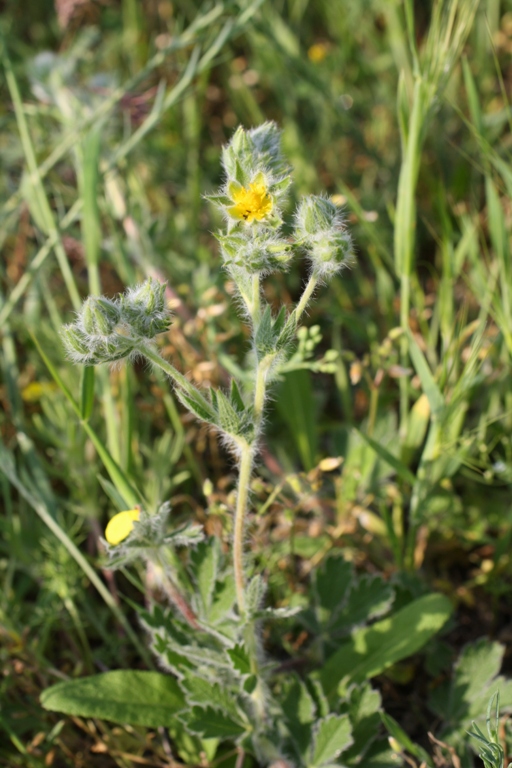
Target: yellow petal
{"points": [[121, 526]]}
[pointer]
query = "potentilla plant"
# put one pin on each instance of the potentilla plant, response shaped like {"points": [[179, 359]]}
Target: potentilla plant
{"points": [[219, 689]]}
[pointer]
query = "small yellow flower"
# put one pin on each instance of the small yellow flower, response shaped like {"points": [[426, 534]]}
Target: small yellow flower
{"points": [[252, 203], [317, 52], [121, 525]]}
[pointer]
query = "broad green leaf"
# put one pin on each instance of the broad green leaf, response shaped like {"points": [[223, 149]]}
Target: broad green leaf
{"points": [[333, 735], [212, 724], [370, 650], [122, 696]]}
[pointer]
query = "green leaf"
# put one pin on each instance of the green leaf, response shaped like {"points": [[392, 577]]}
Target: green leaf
{"points": [[369, 597], [475, 678], [428, 383], [205, 565], [197, 406], [202, 692], [405, 742], [120, 480], [228, 417], [212, 724], [299, 710], [371, 650], [333, 736], [87, 392], [236, 397], [388, 457], [240, 659], [122, 696]]}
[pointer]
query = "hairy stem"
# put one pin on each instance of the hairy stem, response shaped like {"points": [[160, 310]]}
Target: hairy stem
{"points": [[244, 477], [256, 298], [177, 598], [148, 351], [306, 295]]}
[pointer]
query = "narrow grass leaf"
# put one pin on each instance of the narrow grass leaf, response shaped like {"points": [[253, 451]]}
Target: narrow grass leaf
{"points": [[87, 392], [121, 482], [400, 468], [428, 383]]}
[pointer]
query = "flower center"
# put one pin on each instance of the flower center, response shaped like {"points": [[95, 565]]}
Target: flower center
{"points": [[251, 203]]}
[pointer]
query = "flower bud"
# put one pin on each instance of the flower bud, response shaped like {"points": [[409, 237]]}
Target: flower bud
{"points": [[320, 229], [75, 343], [255, 254], [145, 309], [99, 316]]}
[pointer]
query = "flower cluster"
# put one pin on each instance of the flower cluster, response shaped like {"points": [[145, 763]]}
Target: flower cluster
{"points": [[257, 179], [107, 330]]}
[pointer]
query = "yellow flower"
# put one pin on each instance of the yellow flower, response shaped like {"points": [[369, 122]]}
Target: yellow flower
{"points": [[121, 526], [252, 203], [317, 52]]}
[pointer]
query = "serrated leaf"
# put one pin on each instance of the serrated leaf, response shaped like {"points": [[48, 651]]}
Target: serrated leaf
{"points": [[364, 706], [121, 696], [372, 649], [369, 597], [332, 582], [475, 679], [202, 692], [205, 561], [229, 419], [299, 710], [187, 536], [212, 724], [255, 593], [333, 735], [240, 659], [196, 406], [236, 397]]}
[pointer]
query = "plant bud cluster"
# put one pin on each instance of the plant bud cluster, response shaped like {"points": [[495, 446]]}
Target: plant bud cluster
{"points": [[107, 330], [320, 230]]}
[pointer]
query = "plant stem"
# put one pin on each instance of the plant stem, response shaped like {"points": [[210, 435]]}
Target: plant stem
{"points": [[256, 298], [306, 295], [244, 477], [260, 388], [147, 350]]}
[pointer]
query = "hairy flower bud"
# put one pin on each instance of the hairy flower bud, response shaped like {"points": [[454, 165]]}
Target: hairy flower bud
{"points": [[108, 330], [145, 308], [260, 253], [320, 230], [99, 316]]}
